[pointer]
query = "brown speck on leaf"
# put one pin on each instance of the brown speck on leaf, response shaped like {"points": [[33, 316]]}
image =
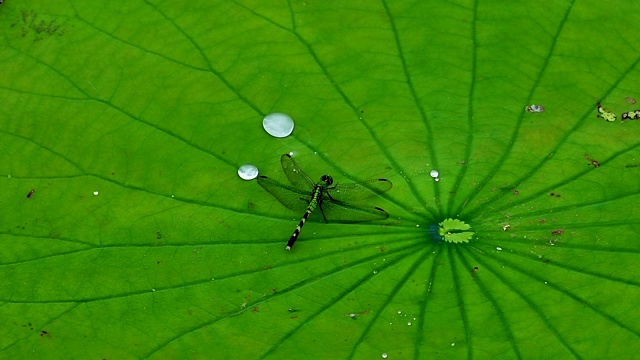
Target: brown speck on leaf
{"points": [[630, 100], [593, 162], [516, 192], [557, 232], [555, 195], [30, 193], [255, 309]]}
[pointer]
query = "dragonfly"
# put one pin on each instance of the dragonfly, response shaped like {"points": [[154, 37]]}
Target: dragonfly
{"points": [[331, 200]]}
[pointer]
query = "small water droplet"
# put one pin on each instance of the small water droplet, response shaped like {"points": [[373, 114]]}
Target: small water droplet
{"points": [[399, 311], [9, 176], [96, 193], [409, 323], [499, 248], [434, 173], [352, 315], [384, 355], [453, 344], [375, 272], [248, 172], [154, 290], [278, 124]]}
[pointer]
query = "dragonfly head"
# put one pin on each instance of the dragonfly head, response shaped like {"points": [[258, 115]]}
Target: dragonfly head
{"points": [[328, 179]]}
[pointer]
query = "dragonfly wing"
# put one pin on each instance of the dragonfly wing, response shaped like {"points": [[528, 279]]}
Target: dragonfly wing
{"points": [[296, 176], [359, 191], [338, 211], [293, 199]]}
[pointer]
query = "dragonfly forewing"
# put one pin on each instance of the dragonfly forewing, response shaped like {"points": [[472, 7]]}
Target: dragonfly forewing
{"points": [[296, 176], [359, 191]]}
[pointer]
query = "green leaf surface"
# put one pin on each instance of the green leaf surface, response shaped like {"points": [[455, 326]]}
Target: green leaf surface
{"points": [[126, 232]]}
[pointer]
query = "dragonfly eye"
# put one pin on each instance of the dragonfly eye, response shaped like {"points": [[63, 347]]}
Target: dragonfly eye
{"points": [[328, 179]]}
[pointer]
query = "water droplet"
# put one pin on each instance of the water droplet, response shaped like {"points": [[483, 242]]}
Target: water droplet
{"points": [[248, 172], [399, 311], [409, 323], [434, 173], [375, 272], [384, 355], [9, 176], [352, 315], [499, 248], [453, 344], [278, 124], [96, 193]]}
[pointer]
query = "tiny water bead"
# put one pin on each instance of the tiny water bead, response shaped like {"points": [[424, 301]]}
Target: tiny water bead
{"points": [[384, 355], [248, 172], [434, 174], [278, 125]]}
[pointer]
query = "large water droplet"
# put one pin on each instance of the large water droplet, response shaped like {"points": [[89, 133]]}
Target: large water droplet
{"points": [[278, 124], [248, 172]]}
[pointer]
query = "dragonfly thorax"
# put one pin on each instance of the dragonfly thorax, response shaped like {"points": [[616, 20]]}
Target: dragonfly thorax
{"points": [[327, 179]]}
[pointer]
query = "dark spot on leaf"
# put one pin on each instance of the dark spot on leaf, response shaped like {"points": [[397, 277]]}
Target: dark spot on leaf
{"points": [[516, 192], [557, 232], [255, 309], [30, 193], [44, 333], [632, 165], [555, 195], [593, 162]]}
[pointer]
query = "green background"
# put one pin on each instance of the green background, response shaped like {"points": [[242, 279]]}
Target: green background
{"points": [[155, 104]]}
